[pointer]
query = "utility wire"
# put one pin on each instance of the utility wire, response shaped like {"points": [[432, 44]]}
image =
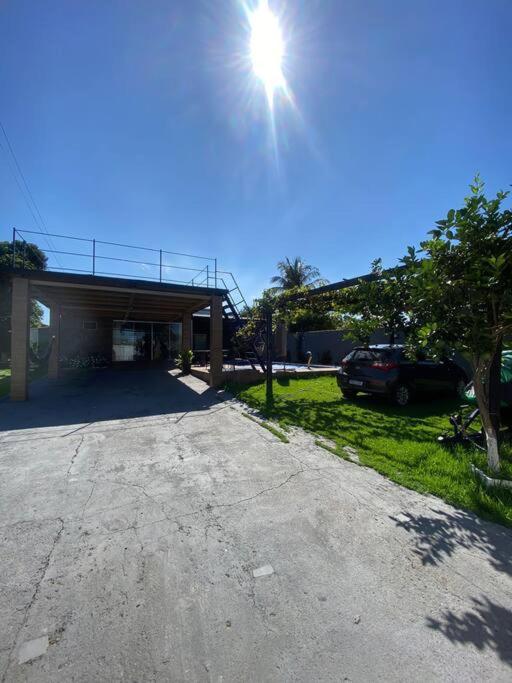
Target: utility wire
{"points": [[30, 201]]}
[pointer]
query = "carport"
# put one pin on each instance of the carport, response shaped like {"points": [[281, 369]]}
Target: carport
{"points": [[88, 307]]}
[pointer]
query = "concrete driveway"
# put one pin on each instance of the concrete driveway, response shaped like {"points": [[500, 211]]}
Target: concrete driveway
{"points": [[136, 508]]}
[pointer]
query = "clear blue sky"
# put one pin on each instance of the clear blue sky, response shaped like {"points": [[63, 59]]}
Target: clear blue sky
{"points": [[139, 122]]}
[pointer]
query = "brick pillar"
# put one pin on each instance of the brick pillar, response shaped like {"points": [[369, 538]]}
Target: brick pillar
{"points": [[20, 339], [186, 332], [53, 361], [215, 341]]}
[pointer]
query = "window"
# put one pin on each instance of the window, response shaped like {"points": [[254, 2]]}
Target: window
{"points": [[375, 355], [363, 355], [145, 341], [90, 325]]}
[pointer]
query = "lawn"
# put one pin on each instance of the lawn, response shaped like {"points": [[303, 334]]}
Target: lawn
{"points": [[398, 442]]}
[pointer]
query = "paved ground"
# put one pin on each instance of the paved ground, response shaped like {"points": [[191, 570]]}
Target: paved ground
{"points": [[135, 509]]}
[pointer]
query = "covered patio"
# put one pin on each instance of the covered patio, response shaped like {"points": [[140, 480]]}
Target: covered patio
{"points": [[85, 311]]}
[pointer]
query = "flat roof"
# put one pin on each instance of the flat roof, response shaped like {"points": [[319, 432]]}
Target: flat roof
{"points": [[114, 296]]}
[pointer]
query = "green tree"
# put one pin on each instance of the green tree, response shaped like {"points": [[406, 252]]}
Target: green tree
{"points": [[375, 304], [27, 255], [31, 257], [462, 295], [306, 320], [296, 273]]}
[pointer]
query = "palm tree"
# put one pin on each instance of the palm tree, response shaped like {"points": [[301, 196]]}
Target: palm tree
{"points": [[296, 273]]}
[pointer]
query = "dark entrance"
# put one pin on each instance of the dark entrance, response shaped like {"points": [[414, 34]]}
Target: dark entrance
{"points": [[145, 341]]}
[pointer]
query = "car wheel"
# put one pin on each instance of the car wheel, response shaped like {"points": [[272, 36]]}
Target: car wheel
{"points": [[460, 388], [349, 394], [402, 395]]}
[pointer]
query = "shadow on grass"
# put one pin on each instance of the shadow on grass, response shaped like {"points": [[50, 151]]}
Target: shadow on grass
{"points": [[487, 625], [439, 536], [399, 442], [363, 420]]}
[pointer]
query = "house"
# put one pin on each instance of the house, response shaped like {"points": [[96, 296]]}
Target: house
{"points": [[125, 320]]}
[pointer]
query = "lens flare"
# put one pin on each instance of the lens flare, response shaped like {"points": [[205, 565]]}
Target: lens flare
{"points": [[267, 49]]}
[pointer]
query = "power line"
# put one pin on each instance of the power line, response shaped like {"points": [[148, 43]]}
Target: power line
{"points": [[30, 201]]}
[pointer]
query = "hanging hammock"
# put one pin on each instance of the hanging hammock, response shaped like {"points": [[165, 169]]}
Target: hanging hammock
{"points": [[36, 358]]}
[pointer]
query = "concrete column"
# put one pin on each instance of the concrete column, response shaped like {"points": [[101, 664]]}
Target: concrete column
{"points": [[20, 338], [186, 332], [281, 340], [53, 361], [216, 361]]}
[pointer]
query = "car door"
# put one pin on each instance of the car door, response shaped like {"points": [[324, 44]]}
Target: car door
{"points": [[449, 375], [430, 376]]}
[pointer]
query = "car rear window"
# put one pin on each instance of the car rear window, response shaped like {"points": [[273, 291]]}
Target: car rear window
{"points": [[373, 355], [348, 357]]}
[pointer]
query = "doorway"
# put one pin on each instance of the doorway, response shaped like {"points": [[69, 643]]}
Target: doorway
{"points": [[135, 340]]}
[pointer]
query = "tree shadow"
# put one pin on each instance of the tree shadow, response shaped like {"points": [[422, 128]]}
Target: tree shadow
{"points": [[439, 536], [485, 625], [369, 420]]}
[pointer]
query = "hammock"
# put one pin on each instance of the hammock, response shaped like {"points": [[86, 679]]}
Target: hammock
{"points": [[36, 358]]}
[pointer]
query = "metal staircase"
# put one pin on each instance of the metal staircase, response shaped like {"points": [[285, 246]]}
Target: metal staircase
{"points": [[231, 310]]}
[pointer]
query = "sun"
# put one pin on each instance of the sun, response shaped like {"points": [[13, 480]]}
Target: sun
{"points": [[267, 49]]}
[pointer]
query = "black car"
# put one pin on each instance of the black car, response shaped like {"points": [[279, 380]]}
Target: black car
{"points": [[385, 369]]}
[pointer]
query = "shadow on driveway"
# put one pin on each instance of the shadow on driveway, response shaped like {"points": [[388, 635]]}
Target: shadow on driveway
{"points": [[104, 394], [485, 625], [438, 536]]}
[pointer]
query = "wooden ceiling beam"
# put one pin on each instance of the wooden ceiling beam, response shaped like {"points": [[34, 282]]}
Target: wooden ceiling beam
{"points": [[125, 301], [121, 311]]}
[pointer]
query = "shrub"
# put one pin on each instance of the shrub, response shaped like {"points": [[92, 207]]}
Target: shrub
{"points": [[184, 361], [92, 360]]}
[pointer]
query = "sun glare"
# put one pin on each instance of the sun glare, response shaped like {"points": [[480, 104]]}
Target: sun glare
{"points": [[267, 49]]}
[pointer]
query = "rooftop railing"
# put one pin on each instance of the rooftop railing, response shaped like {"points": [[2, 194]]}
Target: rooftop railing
{"points": [[98, 257]]}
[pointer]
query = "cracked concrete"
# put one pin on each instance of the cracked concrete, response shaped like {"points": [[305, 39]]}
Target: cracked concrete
{"points": [[131, 547], [75, 454]]}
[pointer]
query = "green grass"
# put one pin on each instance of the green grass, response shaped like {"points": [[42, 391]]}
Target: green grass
{"points": [[276, 432], [5, 379], [398, 442]]}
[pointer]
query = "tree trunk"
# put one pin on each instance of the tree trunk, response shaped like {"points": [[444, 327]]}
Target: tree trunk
{"points": [[495, 386], [481, 382], [493, 454]]}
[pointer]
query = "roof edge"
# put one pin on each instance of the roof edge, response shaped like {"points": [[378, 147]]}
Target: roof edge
{"points": [[110, 281]]}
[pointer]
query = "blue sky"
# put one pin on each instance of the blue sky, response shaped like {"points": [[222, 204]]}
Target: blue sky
{"points": [[141, 122]]}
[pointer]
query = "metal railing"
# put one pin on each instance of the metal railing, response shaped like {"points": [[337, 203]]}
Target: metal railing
{"points": [[95, 260], [234, 288]]}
